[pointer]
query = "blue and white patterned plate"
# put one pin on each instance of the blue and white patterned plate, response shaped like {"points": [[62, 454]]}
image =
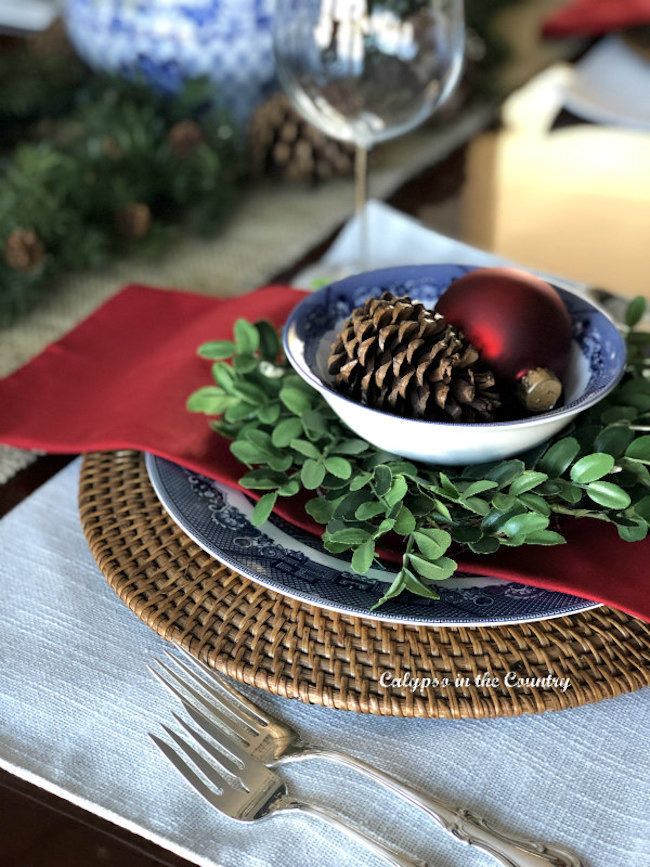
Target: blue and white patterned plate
{"points": [[292, 562]]}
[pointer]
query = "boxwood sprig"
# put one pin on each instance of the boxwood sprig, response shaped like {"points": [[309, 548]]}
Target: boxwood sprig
{"points": [[292, 441]]}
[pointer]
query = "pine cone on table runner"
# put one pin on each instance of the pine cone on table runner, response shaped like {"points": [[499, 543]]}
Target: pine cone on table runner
{"points": [[23, 249], [283, 143], [395, 355]]}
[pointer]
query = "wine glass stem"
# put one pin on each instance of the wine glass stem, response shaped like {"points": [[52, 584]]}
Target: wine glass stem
{"points": [[361, 200]]}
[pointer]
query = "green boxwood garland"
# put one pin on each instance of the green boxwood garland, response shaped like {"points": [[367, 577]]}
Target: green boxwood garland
{"points": [[290, 440]]}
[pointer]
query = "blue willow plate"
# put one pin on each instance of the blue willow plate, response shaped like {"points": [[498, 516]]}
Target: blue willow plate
{"points": [[290, 561]]}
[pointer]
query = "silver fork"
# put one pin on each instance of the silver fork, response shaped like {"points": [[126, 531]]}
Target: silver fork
{"points": [[276, 743], [242, 787]]}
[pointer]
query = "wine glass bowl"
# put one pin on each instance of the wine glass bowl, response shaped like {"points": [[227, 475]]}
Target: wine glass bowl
{"points": [[368, 70]]}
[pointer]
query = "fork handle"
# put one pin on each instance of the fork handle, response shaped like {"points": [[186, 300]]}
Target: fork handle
{"points": [[462, 824], [318, 812]]}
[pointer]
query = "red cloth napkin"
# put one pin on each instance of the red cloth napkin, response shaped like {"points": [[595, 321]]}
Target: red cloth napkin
{"points": [[595, 17], [121, 378]]}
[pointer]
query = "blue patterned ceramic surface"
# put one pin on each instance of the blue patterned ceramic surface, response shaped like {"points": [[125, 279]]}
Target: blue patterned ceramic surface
{"points": [[597, 362], [168, 41], [286, 559]]}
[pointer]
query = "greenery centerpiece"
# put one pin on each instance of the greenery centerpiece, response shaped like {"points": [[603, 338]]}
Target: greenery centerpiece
{"points": [[291, 441]]}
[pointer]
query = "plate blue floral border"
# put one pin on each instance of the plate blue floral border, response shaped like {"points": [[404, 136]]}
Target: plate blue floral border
{"points": [[292, 562]]}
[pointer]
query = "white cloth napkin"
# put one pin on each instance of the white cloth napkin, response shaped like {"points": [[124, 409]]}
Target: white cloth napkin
{"points": [[77, 703], [611, 85], [396, 239], [392, 238]]}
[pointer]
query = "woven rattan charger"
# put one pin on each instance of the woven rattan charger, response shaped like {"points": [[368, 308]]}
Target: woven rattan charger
{"points": [[301, 651]]}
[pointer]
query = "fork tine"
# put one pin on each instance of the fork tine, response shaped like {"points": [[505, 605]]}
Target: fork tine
{"points": [[232, 699], [186, 771], [237, 727], [215, 733], [216, 751], [220, 746]]}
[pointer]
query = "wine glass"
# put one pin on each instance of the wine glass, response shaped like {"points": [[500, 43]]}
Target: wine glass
{"points": [[366, 71]]}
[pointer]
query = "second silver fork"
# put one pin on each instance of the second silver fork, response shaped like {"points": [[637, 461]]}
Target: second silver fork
{"points": [[275, 743]]}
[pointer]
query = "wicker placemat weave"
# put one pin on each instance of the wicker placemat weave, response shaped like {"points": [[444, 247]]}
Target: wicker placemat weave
{"points": [[300, 651]]}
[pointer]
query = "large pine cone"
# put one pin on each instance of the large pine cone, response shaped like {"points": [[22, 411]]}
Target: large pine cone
{"points": [[283, 143], [395, 355]]}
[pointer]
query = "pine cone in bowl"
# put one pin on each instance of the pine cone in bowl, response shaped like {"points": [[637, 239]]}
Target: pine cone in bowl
{"points": [[395, 355]]}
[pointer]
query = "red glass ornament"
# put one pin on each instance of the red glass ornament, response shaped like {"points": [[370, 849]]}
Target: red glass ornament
{"points": [[517, 321]]}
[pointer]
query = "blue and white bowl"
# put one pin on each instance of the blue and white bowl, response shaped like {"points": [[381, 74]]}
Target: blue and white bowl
{"points": [[597, 363]]}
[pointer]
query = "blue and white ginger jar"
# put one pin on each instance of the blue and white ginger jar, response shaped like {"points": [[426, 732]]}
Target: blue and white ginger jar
{"points": [[168, 41]]}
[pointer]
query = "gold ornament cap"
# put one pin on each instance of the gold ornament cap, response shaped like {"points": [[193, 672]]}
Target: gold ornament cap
{"points": [[539, 390]]}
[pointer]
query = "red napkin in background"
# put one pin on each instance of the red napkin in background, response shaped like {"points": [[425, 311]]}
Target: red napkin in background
{"points": [[121, 378], [595, 17]]}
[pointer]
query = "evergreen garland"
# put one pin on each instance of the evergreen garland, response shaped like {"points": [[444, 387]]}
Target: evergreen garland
{"points": [[115, 167]]}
